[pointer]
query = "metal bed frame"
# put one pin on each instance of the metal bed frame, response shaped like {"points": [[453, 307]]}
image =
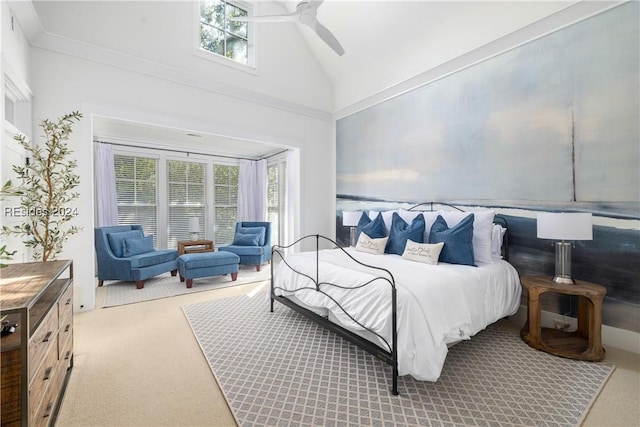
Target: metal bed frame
{"points": [[389, 354]]}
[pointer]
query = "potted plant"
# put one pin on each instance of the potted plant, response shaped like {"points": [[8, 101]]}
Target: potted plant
{"points": [[47, 187]]}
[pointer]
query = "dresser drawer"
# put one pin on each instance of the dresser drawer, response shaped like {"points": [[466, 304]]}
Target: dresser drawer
{"points": [[41, 340], [46, 376], [65, 306], [65, 344]]}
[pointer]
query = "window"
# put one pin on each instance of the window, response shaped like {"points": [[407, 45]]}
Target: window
{"points": [[222, 36], [226, 202], [136, 192], [186, 188], [276, 191]]}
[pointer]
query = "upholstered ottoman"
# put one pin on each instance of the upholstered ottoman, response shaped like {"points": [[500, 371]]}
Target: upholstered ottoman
{"points": [[207, 264]]}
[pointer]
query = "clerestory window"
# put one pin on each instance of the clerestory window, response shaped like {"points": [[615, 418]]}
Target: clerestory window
{"points": [[220, 35]]}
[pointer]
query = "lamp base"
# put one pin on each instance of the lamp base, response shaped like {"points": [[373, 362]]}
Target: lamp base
{"points": [[563, 264], [563, 280], [194, 237]]}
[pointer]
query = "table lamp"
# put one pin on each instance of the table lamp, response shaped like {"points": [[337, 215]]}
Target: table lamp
{"points": [[194, 227], [351, 219], [562, 227]]}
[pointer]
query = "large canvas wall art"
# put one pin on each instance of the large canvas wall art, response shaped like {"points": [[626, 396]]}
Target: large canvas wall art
{"points": [[551, 125], [553, 120]]}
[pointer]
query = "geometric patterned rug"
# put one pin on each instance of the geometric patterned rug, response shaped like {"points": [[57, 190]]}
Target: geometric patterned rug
{"points": [[281, 369], [165, 285]]}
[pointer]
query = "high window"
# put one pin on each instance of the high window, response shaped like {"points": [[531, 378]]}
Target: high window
{"points": [[220, 35]]}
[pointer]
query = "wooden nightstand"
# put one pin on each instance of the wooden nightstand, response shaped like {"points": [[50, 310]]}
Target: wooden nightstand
{"points": [[194, 246], [585, 343]]}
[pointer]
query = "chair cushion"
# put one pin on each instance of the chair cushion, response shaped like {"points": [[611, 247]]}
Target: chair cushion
{"points": [[251, 230], [243, 250], [140, 245], [153, 258], [116, 240], [207, 259]]}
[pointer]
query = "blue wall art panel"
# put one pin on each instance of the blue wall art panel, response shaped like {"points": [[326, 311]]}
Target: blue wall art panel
{"points": [[553, 120]]}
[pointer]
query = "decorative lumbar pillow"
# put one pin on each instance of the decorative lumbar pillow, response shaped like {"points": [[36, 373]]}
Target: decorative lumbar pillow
{"points": [[116, 240], [422, 252], [137, 246], [246, 239], [458, 240], [401, 232], [372, 228], [371, 246], [253, 230]]}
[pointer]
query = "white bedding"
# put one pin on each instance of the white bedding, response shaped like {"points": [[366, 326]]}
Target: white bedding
{"points": [[436, 304]]}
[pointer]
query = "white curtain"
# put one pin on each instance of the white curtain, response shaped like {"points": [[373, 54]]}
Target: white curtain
{"points": [[105, 180], [252, 190]]}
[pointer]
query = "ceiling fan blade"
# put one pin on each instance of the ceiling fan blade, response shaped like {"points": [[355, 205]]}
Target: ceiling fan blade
{"points": [[269, 18], [326, 35]]}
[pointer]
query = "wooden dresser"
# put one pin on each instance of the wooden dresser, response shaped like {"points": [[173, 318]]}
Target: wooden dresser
{"points": [[37, 358]]}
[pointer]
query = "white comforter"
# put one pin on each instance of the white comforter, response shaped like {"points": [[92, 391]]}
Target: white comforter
{"points": [[436, 304]]}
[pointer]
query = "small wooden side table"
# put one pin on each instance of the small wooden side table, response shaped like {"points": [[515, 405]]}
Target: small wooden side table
{"points": [[585, 343], [194, 246]]}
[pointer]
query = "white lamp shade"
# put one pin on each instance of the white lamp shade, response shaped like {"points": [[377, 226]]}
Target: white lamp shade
{"points": [[565, 226], [351, 219], [194, 224]]}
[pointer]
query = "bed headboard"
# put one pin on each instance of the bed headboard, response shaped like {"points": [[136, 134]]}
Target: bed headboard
{"points": [[498, 219]]}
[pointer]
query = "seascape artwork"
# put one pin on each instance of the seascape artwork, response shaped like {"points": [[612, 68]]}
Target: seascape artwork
{"points": [[554, 120]]}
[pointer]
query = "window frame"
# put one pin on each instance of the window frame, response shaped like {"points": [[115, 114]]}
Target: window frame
{"points": [[251, 66]]}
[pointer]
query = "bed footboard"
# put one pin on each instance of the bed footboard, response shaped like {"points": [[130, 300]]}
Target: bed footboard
{"points": [[388, 355]]}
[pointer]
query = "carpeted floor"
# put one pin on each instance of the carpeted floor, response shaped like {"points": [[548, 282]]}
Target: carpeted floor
{"points": [[165, 285], [282, 369]]}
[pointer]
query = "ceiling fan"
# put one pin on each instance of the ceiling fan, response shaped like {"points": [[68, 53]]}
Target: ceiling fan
{"points": [[304, 14]]}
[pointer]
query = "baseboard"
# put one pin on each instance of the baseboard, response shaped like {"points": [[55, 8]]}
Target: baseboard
{"points": [[613, 337]]}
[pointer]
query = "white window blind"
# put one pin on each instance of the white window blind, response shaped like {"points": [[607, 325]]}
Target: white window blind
{"points": [[273, 201], [136, 190], [186, 187], [226, 202]]}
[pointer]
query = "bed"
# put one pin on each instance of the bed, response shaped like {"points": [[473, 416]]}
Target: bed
{"points": [[405, 312]]}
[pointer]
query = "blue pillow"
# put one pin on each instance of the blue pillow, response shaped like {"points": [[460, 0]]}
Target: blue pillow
{"points": [[401, 232], [253, 230], [246, 239], [136, 246], [458, 247], [374, 229], [116, 240]]}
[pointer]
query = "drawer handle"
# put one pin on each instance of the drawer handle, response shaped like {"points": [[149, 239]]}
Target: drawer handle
{"points": [[68, 355], [47, 412], [66, 329], [68, 302], [46, 337], [47, 373]]}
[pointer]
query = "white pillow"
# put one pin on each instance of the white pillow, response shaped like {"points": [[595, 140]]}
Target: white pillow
{"points": [[482, 231], [422, 252], [387, 217], [497, 237], [371, 246]]}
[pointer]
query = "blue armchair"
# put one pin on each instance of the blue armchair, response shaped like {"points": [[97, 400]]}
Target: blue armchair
{"points": [[252, 243], [124, 253]]}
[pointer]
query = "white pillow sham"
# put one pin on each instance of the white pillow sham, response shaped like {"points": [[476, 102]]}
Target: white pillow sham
{"points": [[422, 252], [371, 246]]}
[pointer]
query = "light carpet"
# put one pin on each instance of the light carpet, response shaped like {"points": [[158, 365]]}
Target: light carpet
{"points": [[165, 285], [281, 369]]}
